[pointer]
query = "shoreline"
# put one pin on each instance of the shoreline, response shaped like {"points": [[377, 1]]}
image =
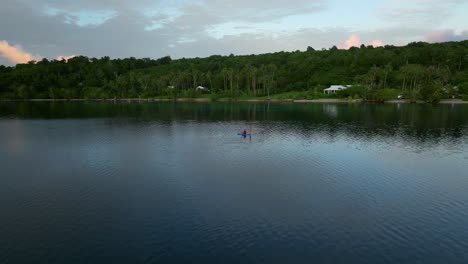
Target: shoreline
{"points": [[396, 101]]}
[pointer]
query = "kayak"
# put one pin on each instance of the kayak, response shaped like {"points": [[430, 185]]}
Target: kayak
{"points": [[240, 134]]}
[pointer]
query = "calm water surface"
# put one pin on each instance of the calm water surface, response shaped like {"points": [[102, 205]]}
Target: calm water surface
{"points": [[172, 182]]}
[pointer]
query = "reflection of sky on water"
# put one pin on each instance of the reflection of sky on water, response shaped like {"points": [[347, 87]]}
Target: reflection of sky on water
{"points": [[177, 179], [13, 134], [412, 127]]}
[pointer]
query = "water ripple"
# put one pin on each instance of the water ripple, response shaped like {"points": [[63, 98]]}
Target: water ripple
{"points": [[174, 183]]}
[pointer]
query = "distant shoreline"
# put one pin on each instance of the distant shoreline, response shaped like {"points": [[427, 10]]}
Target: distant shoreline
{"points": [[399, 101]]}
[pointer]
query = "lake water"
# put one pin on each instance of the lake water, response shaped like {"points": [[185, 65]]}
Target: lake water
{"points": [[158, 182]]}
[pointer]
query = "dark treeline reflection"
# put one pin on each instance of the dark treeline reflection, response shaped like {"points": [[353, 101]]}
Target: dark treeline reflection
{"points": [[418, 121]]}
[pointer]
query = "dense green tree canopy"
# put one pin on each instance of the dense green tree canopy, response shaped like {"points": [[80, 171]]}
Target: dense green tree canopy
{"points": [[418, 71]]}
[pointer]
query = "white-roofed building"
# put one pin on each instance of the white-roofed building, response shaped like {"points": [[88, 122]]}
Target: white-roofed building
{"points": [[202, 88], [335, 88]]}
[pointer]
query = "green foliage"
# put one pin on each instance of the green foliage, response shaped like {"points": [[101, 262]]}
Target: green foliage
{"points": [[356, 91], [433, 92], [190, 93], [419, 71], [386, 94], [24, 92], [228, 94], [291, 95], [170, 92], [463, 88]]}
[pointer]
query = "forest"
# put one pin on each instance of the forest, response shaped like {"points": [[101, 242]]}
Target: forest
{"points": [[417, 71]]}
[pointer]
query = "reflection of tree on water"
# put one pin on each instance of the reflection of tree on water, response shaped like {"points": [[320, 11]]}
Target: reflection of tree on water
{"points": [[251, 118], [330, 109], [419, 123]]}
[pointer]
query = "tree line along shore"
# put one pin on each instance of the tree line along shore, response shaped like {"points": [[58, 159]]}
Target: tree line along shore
{"points": [[251, 100], [417, 72]]}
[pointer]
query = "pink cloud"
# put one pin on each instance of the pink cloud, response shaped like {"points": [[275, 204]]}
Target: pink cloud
{"points": [[377, 43], [65, 58], [352, 41], [446, 35], [355, 41], [15, 54]]}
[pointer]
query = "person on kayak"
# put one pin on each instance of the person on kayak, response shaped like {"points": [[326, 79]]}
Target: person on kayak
{"points": [[245, 132]]}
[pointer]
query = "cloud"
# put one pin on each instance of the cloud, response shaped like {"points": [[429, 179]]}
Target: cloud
{"points": [[263, 10], [377, 43], [352, 41], [355, 41], [59, 58], [185, 28], [418, 12], [15, 54], [446, 35]]}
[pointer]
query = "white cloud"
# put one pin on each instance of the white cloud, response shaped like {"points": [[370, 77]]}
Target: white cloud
{"points": [[418, 12], [446, 35], [15, 54], [81, 18]]}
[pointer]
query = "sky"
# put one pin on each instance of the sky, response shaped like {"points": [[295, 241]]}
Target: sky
{"points": [[56, 29]]}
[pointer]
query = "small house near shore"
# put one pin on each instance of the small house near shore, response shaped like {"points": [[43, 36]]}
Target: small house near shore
{"points": [[335, 88], [202, 88]]}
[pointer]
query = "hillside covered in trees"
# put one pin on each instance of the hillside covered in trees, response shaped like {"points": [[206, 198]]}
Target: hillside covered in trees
{"points": [[417, 71]]}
